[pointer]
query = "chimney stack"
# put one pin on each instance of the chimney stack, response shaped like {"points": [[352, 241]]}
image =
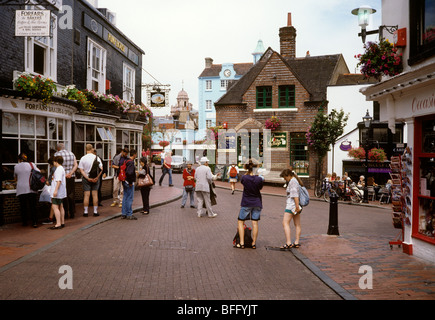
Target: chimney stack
{"points": [[208, 62], [287, 39]]}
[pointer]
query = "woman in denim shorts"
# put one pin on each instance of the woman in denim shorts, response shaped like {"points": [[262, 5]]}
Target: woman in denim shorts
{"points": [[251, 204]]}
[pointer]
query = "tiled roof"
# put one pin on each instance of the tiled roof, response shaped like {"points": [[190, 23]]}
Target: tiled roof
{"points": [[315, 73], [215, 69]]}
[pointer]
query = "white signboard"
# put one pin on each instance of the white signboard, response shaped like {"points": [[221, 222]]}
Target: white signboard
{"points": [[32, 23]]}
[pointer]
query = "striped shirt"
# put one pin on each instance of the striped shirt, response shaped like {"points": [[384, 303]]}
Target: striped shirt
{"points": [[68, 160]]}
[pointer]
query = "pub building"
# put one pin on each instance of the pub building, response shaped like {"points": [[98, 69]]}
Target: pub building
{"points": [[284, 86], [410, 97], [90, 54]]}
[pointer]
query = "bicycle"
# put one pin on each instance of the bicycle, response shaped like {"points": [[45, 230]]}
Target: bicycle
{"points": [[320, 188]]}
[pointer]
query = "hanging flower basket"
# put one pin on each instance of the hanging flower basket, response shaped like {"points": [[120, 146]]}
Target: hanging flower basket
{"points": [[380, 59], [72, 93], [377, 155], [357, 153], [36, 87], [273, 123], [164, 144]]}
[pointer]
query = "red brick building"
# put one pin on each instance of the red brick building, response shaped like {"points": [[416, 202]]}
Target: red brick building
{"points": [[281, 85]]}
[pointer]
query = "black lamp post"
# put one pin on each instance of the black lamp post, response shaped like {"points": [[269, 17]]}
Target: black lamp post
{"points": [[367, 119]]}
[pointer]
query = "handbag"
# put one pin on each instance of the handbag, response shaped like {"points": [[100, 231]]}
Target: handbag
{"points": [[145, 181], [189, 188]]}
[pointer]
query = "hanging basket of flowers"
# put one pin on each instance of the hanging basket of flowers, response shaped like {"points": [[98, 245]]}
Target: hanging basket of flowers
{"points": [[380, 59], [36, 87], [357, 153], [273, 123], [164, 144], [377, 155]]}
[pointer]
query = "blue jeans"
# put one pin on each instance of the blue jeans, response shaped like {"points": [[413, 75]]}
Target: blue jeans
{"points": [[184, 200], [166, 171], [127, 201]]}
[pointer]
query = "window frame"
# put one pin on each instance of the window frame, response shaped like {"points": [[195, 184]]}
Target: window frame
{"points": [[128, 93], [295, 140], [101, 78], [208, 85], [208, 105], [265, 94], [418, 51], [289, 92]]}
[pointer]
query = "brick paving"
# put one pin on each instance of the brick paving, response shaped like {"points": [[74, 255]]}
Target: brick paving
{"points": [[171, 254]]}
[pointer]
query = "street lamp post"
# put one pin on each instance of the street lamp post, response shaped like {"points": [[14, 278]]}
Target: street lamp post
{"points": [[367, 119]]}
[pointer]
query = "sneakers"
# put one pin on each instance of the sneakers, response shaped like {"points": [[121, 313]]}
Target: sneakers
{"points": [[47, 221], [114, 204], [213, 215], [131, 217]]}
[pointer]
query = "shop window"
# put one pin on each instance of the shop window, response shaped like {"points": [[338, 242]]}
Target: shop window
{"points": [[264, 97], [287, 96], [36, 136], [299, 158], [131, 140], [96, 74], [129, 83], [101, 138], [424, 208], [422, 30]]}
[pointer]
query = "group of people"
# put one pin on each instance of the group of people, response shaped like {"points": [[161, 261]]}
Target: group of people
{"points": [[60, 186]]}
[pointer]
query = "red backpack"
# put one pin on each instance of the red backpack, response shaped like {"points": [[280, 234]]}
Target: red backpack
{"points": [[233, 172], [121, 176]]}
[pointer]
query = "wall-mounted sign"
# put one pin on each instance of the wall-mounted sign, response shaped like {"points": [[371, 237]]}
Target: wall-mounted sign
{"points": [[278, 140], [32, 23]]}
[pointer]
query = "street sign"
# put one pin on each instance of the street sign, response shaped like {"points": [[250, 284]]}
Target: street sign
{"points": [[32, 23]]}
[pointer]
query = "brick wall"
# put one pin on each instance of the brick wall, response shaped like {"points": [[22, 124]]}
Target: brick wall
{"points": [[290, 121]]}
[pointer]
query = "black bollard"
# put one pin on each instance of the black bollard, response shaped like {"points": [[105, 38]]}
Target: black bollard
{"points": [[333, 215]]}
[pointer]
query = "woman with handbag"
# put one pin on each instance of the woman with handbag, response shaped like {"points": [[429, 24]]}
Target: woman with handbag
{"points": [[145, 183], [189, 185]]}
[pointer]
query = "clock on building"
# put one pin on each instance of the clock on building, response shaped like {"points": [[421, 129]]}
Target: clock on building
{"points": [[227, 73]]}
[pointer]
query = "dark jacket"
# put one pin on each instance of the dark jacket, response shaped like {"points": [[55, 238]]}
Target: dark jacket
{"points": [[130, 171]]}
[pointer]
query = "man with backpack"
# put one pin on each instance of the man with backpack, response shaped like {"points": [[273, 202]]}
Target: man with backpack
{"points": [[91, 169], [127, 175], [233, 173]]}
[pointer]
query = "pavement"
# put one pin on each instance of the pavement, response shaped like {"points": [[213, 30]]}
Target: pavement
{"points": [[335, 260]]}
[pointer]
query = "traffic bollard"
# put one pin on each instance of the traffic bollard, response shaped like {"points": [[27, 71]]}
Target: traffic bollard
{"points": [[333, 215]]}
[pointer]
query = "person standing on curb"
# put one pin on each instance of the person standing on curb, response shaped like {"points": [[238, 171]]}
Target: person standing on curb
{"points": [[70, 165], [188, 185], [204, 178], [26, 196], [90, 178], [58, 193], [251, 204], [128, 185], [292, 210], [117, 185]]}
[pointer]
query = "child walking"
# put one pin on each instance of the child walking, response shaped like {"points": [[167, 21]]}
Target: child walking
{"points": [[58, 192], [292, 210]]}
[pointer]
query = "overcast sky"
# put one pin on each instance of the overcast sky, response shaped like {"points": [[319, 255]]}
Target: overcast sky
{"points": [[177, 35]]}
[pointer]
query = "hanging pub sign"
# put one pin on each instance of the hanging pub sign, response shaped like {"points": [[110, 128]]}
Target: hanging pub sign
{"points": [[346, 146], [278, 140], [32, 23], [158, 99]]}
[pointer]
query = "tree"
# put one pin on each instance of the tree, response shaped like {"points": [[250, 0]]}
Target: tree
{"points": [[325, 131]]}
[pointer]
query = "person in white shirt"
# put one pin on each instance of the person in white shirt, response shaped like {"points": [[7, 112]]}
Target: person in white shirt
{"points": [[90, 178], [58, 193]]}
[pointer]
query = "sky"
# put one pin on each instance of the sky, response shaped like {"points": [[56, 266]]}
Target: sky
{"points": [[177, 35]]}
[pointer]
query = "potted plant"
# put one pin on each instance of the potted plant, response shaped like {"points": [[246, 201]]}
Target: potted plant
{"points": [[380, 59], [273, 123], [36, 86]]}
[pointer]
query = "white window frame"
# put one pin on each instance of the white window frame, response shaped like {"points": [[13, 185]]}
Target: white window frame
{"points": [[208, 85], [100, 69], [224, 84], [129, 82], [208, 105], [49, 44], [208, 123]]}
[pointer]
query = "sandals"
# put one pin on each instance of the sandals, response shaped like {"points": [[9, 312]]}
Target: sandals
{"points": [[286, 247], [254, 246], [296, 245], [240, 246]]}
